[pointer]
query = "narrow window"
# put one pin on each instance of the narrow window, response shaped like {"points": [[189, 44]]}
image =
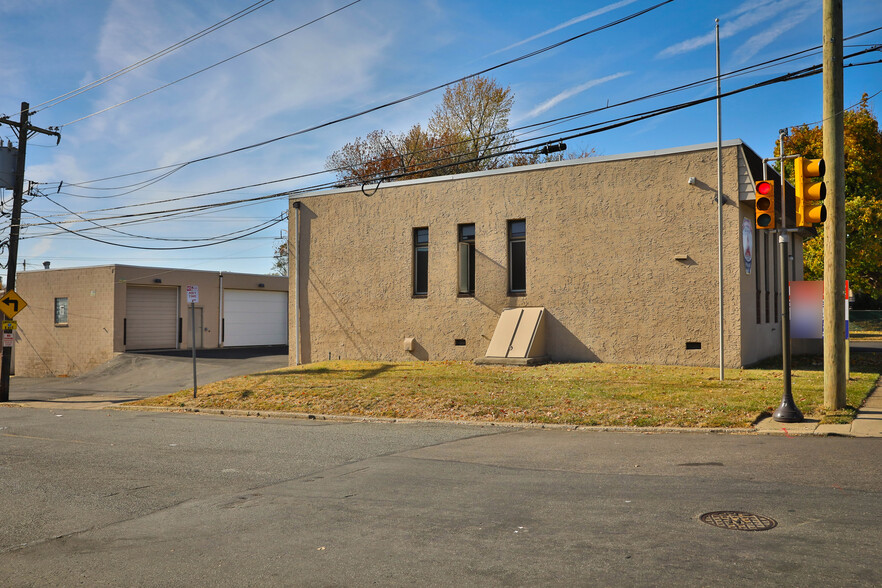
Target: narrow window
{"points": [[466, 260], [61, 311], [517, 257], [421, 261]]}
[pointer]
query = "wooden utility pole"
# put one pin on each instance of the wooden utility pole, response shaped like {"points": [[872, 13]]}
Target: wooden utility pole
{"points": [[835, 369], [22, 128]]}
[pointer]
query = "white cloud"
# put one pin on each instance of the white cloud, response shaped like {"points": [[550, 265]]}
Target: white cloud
{"points": [[572, 21], [569, 93], [757, 42], [748, 15]]}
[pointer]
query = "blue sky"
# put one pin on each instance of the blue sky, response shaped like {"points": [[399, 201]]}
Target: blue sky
{"points": [[370, 53]]}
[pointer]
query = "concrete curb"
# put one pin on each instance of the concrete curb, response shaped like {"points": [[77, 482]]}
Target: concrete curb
{"points": [[501, 425]]}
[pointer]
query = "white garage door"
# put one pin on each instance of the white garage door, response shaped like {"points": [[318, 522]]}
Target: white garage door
{"points": [[255, 318], [151, 317]]}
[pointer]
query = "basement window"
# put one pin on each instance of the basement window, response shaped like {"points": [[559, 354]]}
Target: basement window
{"points": [[61, 312]]}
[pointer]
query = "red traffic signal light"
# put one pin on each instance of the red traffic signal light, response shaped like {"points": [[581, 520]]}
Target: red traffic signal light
{"points": [[765, 204]]}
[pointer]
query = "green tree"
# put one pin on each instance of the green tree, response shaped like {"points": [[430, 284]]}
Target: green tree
{"points": [[280, 257], [863, 198]]}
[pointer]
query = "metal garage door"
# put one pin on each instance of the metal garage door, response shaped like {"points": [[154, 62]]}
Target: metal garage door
{"points": [[151, 317], [254, 317]]}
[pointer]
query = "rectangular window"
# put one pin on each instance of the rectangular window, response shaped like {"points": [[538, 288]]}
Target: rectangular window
{"points": [[61, 311], [517, 257], [466, 254], [421, 261]]}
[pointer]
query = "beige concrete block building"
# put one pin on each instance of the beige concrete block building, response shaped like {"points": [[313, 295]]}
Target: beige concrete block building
{"points": [[78, 318], [621, 252]]}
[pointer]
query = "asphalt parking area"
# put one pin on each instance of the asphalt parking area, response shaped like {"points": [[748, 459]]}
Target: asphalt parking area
{"points": [[130, 376]]}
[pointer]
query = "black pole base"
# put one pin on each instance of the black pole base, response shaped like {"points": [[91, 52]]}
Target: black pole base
{"points": [[788, 412]]}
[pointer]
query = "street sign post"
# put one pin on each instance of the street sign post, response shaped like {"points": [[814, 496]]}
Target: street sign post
{"points": [[192, 299]]}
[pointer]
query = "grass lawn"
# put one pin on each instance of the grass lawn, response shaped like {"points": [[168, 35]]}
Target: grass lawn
{"points": [[569, 393], [865, 325]]}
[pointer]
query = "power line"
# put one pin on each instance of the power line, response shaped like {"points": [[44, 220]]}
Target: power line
{"points": [[543, 124], [171, 48], [393, 102], [585, 130], [209, 67], [180, 247], [534, 126]]}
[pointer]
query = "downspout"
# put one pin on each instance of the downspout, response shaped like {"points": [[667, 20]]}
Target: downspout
{"points": [[296, 207], [220, 310]]}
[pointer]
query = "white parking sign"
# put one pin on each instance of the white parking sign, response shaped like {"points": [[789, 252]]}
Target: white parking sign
{"points": [[192, 294]]}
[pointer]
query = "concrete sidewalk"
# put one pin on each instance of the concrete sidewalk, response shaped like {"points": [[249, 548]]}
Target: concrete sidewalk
{"points": [[867, 423]]}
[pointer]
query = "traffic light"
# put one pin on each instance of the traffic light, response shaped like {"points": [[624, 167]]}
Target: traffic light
{"points": [[808, 208], [765, 204]]}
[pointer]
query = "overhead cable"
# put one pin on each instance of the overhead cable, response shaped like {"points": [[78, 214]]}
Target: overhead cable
{"points": [[212, 66], [171, 48], [393, 102]]}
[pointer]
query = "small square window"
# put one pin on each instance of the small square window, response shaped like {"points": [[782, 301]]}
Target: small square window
{"points": [[61, 311]]}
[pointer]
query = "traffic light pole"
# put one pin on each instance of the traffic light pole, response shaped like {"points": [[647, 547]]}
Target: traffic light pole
{"points": [[23, 129], [787, 412]]}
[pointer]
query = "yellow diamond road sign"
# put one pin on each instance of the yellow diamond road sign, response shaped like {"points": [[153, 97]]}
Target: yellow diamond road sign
{"points": [[11, 304]]}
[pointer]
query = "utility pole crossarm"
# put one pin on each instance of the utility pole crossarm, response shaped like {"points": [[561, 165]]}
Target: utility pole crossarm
{"points": [[31, 128]]}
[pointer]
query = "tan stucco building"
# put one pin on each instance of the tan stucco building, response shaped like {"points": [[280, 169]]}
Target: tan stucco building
{"points": [[78, 318], [620, 251]]}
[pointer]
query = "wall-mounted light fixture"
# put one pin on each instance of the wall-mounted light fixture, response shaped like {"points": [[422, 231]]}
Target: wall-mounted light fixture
{"points": [[692, 181]]}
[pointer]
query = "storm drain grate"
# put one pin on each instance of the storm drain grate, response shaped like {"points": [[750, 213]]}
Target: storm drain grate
{"points": [[738, 521]]}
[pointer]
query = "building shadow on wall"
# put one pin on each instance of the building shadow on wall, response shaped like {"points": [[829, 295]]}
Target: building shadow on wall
{"points": [[493, 278], [564, 346], [309, 277]]}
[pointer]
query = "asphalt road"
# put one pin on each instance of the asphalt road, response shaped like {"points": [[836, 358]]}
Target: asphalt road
{"points": [[121, 498], [130, 376]]}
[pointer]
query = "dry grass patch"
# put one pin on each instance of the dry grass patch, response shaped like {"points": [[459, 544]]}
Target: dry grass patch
{"points": [[573, 394]]}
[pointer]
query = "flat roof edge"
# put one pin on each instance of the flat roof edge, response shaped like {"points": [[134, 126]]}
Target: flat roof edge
{"points": [[146, 268], [526, 168]]}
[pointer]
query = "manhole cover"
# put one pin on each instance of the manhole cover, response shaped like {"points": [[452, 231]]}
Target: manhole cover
{"points": [[738, 521]]}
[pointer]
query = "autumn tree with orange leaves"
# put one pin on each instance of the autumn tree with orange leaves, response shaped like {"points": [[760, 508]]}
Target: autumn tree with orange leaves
{"points": [[863, 198], [467, 132]]}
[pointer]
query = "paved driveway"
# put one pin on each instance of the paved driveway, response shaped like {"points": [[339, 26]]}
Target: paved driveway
{"points": [[130, 376]]}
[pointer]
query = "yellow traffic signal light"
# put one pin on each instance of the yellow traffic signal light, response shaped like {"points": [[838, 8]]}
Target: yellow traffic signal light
{"points": [[765, 204], [808, 208]]}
